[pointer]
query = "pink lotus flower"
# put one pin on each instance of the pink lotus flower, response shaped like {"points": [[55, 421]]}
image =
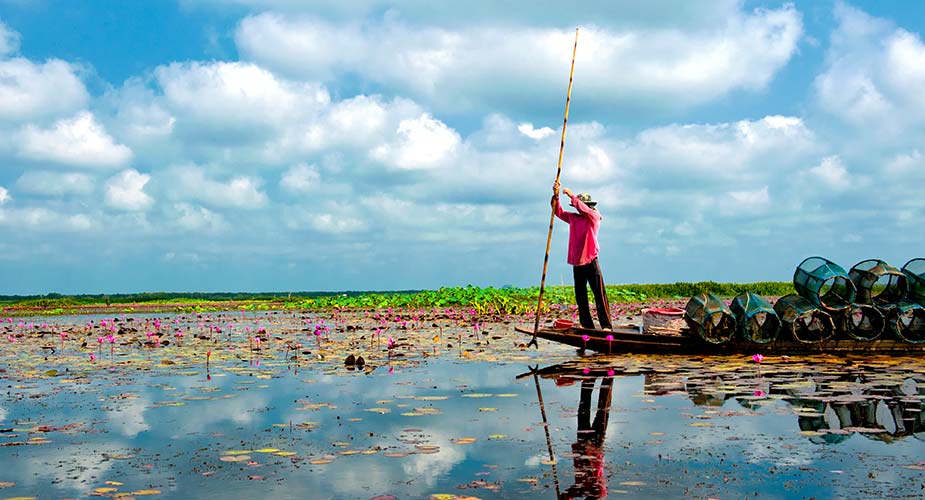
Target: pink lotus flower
{"points": [[391, 342], [757, 358], [610, 338], [759, 393], [92, 357]]}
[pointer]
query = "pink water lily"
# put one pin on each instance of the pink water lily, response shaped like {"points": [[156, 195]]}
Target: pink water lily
{"points": [[757, 358]]}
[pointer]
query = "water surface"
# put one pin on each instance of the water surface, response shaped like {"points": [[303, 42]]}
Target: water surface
{"points": [[437, 419]]}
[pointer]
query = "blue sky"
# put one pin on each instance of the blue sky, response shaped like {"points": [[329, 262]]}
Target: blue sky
{"points": [[245, 145]]}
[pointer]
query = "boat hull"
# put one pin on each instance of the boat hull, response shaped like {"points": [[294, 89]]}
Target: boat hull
{"points": [[630, 340]]}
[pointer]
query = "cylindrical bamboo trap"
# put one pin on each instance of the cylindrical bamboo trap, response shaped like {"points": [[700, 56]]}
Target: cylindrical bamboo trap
{"points": [[878, 283], [861, 322], [824, 283], [710, 318], [907, 321], [915, 281], [803, 320], [757, 322]]}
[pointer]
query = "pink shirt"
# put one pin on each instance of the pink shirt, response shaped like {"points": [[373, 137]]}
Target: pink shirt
{"points": [[582, 232]]}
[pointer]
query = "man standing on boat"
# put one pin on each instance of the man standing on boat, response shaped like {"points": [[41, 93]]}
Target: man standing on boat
{"points": [[582, 254]]}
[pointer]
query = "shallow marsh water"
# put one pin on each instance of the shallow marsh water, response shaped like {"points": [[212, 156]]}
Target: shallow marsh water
{"points": [[430, 418]]}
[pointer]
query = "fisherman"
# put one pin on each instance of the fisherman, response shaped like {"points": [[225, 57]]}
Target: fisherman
{"points": [[582, 254]]}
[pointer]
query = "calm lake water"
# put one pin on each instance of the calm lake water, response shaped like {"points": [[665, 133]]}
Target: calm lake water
{"points": [[456, 425]]}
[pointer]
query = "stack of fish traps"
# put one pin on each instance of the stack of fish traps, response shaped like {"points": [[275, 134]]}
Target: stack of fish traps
{"points": [[872, 300]]}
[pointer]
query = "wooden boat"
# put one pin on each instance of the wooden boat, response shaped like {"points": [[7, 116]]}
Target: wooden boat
{"points": [[628, 340]]}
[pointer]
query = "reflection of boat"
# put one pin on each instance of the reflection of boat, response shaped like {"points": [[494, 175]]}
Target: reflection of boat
{"points": [[880, 415], [630, 340], [829, 407]]}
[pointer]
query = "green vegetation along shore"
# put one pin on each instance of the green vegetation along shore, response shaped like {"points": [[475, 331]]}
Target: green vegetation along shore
{"points": [[503, 300]]}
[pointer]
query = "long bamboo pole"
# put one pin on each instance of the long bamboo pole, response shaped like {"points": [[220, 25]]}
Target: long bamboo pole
{"points": [[552, 216]]}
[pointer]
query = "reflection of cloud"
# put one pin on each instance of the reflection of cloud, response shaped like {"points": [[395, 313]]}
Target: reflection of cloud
{"points": [[2, 414], [536, 460], [200, 416], [84, 465], [431, 466], [129, 418]]}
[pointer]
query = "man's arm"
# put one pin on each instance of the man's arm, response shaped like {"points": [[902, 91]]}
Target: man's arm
{"points": [[578, 204], [560, 213]]}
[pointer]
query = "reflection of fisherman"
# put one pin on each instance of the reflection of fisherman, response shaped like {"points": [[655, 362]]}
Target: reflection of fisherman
{"points": [[590, 479]]}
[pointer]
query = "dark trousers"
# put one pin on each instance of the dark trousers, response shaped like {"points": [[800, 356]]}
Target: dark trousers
{"points": [[590, 274]]}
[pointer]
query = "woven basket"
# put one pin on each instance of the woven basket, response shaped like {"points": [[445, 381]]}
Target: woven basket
{"points": [[663, 321]]}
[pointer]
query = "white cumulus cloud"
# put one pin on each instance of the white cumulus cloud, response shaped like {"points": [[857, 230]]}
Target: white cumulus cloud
{"points": [[192, 183], [755, 201], [29, 91], [235, 94], [47, 183], [533, 133], [195, 218], [874, 72], [719, 152], [9, 40], [336, 223], [420, 143], [4, 195], [46, 220], [79, 141], [450, 66], [831, 172], [125, 191], [300, 178], [352, 125]]}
